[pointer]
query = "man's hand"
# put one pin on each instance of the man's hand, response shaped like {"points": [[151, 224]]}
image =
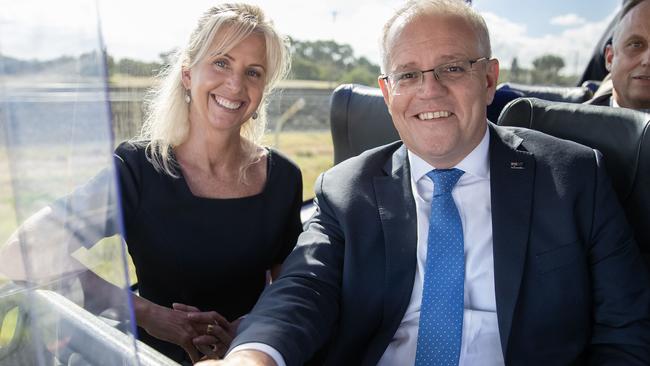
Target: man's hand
{"points": [[242, 358]]}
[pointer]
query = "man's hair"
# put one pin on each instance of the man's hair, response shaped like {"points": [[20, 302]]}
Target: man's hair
{"points": [[627, 7], [416, 8]]}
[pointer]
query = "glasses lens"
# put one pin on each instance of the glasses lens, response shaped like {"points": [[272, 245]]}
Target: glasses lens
{"points": [[406, 82], [453, 71]]}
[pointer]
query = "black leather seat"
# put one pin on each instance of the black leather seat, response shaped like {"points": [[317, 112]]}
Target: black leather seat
{"points": [[569, 94], [622, 135], [359, 120], [507, 92]]}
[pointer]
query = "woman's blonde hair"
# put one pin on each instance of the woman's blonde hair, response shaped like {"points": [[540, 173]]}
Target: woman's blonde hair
{"points": [[167, 122]]}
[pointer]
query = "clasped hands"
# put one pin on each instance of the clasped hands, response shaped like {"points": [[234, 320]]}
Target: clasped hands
{"points": [[214, 332], [202, 334]]}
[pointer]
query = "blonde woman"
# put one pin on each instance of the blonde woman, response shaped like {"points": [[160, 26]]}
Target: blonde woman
{"points": [[207, 210]]}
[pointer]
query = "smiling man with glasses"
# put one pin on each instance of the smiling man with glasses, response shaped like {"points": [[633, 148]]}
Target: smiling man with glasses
{"points": [[465, 243]]}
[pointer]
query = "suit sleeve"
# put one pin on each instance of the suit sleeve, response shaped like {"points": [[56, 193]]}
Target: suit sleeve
{"points": [[620, 283], [296, 314]]}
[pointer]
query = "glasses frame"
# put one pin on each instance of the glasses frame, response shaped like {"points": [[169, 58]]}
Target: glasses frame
{"points": [[436, 73]]}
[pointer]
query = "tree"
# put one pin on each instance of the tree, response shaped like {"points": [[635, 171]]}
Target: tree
{"points": [[168, 57], [359, 75], [547, 69], [515, 71], [330, 61], [136, 68], [304, 69]]}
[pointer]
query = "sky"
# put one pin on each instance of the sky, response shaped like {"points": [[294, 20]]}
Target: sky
{"points": [[142, 29]]}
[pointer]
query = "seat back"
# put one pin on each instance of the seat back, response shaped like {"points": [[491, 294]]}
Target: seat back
{"points": [[622, 135], [359, 120], [569, 94]]}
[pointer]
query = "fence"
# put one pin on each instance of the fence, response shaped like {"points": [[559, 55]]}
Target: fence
{"points": [[128, 108]]}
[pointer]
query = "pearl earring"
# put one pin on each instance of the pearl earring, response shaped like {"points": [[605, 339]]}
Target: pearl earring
{"points": [[188, 98]]}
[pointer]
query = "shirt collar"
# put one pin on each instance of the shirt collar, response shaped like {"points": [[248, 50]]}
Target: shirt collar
{"points": [[475, 163]]}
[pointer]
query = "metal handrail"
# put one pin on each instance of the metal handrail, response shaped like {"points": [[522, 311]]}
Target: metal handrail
{"points": [[88, 339]]}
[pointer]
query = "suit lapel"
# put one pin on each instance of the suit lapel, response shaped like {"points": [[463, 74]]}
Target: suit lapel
{"points": [[512, 174], [398, 221]]}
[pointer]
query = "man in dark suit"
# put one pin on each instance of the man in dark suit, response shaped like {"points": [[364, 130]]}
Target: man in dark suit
{"points": [[465, 243], [627, 59]]}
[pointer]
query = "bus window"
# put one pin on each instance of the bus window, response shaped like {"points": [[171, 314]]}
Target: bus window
{"points": [[55, 134]]}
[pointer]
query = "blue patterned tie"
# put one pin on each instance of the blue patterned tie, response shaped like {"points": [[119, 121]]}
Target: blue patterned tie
{"points": [[441, 313]]}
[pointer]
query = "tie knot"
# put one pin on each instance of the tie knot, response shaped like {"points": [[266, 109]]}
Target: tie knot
{"points": [[444, 179]]}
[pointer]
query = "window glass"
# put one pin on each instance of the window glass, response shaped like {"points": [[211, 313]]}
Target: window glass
{"points": [[55, 135]]}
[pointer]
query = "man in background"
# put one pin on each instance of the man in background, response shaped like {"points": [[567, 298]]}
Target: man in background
{"points": [[627, 59]]}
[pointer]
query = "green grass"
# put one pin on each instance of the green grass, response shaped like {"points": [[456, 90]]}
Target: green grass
{"points": [[311, 150], [104, 258], [40, 174], [7, 209], [8, 326]]}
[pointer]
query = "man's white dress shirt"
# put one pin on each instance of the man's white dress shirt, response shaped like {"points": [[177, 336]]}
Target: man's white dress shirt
{"points": [[480, 344]]}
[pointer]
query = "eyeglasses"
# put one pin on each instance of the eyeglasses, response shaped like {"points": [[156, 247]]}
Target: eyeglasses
{"points": [[409, 82]]}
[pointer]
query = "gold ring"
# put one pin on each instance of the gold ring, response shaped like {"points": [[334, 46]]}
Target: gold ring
{"points": [[210, 328]]}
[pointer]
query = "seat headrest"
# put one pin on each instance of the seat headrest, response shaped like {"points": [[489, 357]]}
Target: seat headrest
{"points": [[359, 121], [569, 94], [622, 135]]}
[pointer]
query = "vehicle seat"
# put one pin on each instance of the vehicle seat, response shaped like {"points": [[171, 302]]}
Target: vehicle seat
{"points": [[622, 135], [359, 120], [507, 92], [569, 94], [357, 110]]}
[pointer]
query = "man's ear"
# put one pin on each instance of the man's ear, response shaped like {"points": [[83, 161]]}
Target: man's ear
{"points": [[384, 90], [491, 77], [186, 77], [609, 57]]}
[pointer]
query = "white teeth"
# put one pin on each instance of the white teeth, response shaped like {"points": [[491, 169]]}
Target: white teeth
{"points": [[227, 104], [432, 115]]}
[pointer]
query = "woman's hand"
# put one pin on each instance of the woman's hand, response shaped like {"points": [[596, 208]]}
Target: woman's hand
{"points": [[215, 332], [167, 324]]}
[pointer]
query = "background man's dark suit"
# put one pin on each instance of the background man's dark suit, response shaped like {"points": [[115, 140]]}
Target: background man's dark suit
{"points": [[570, 284], [602, 99], [604, 93]]}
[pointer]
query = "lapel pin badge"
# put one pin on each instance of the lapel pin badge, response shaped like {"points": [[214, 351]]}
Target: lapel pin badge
{"points": [[516, 165]]}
